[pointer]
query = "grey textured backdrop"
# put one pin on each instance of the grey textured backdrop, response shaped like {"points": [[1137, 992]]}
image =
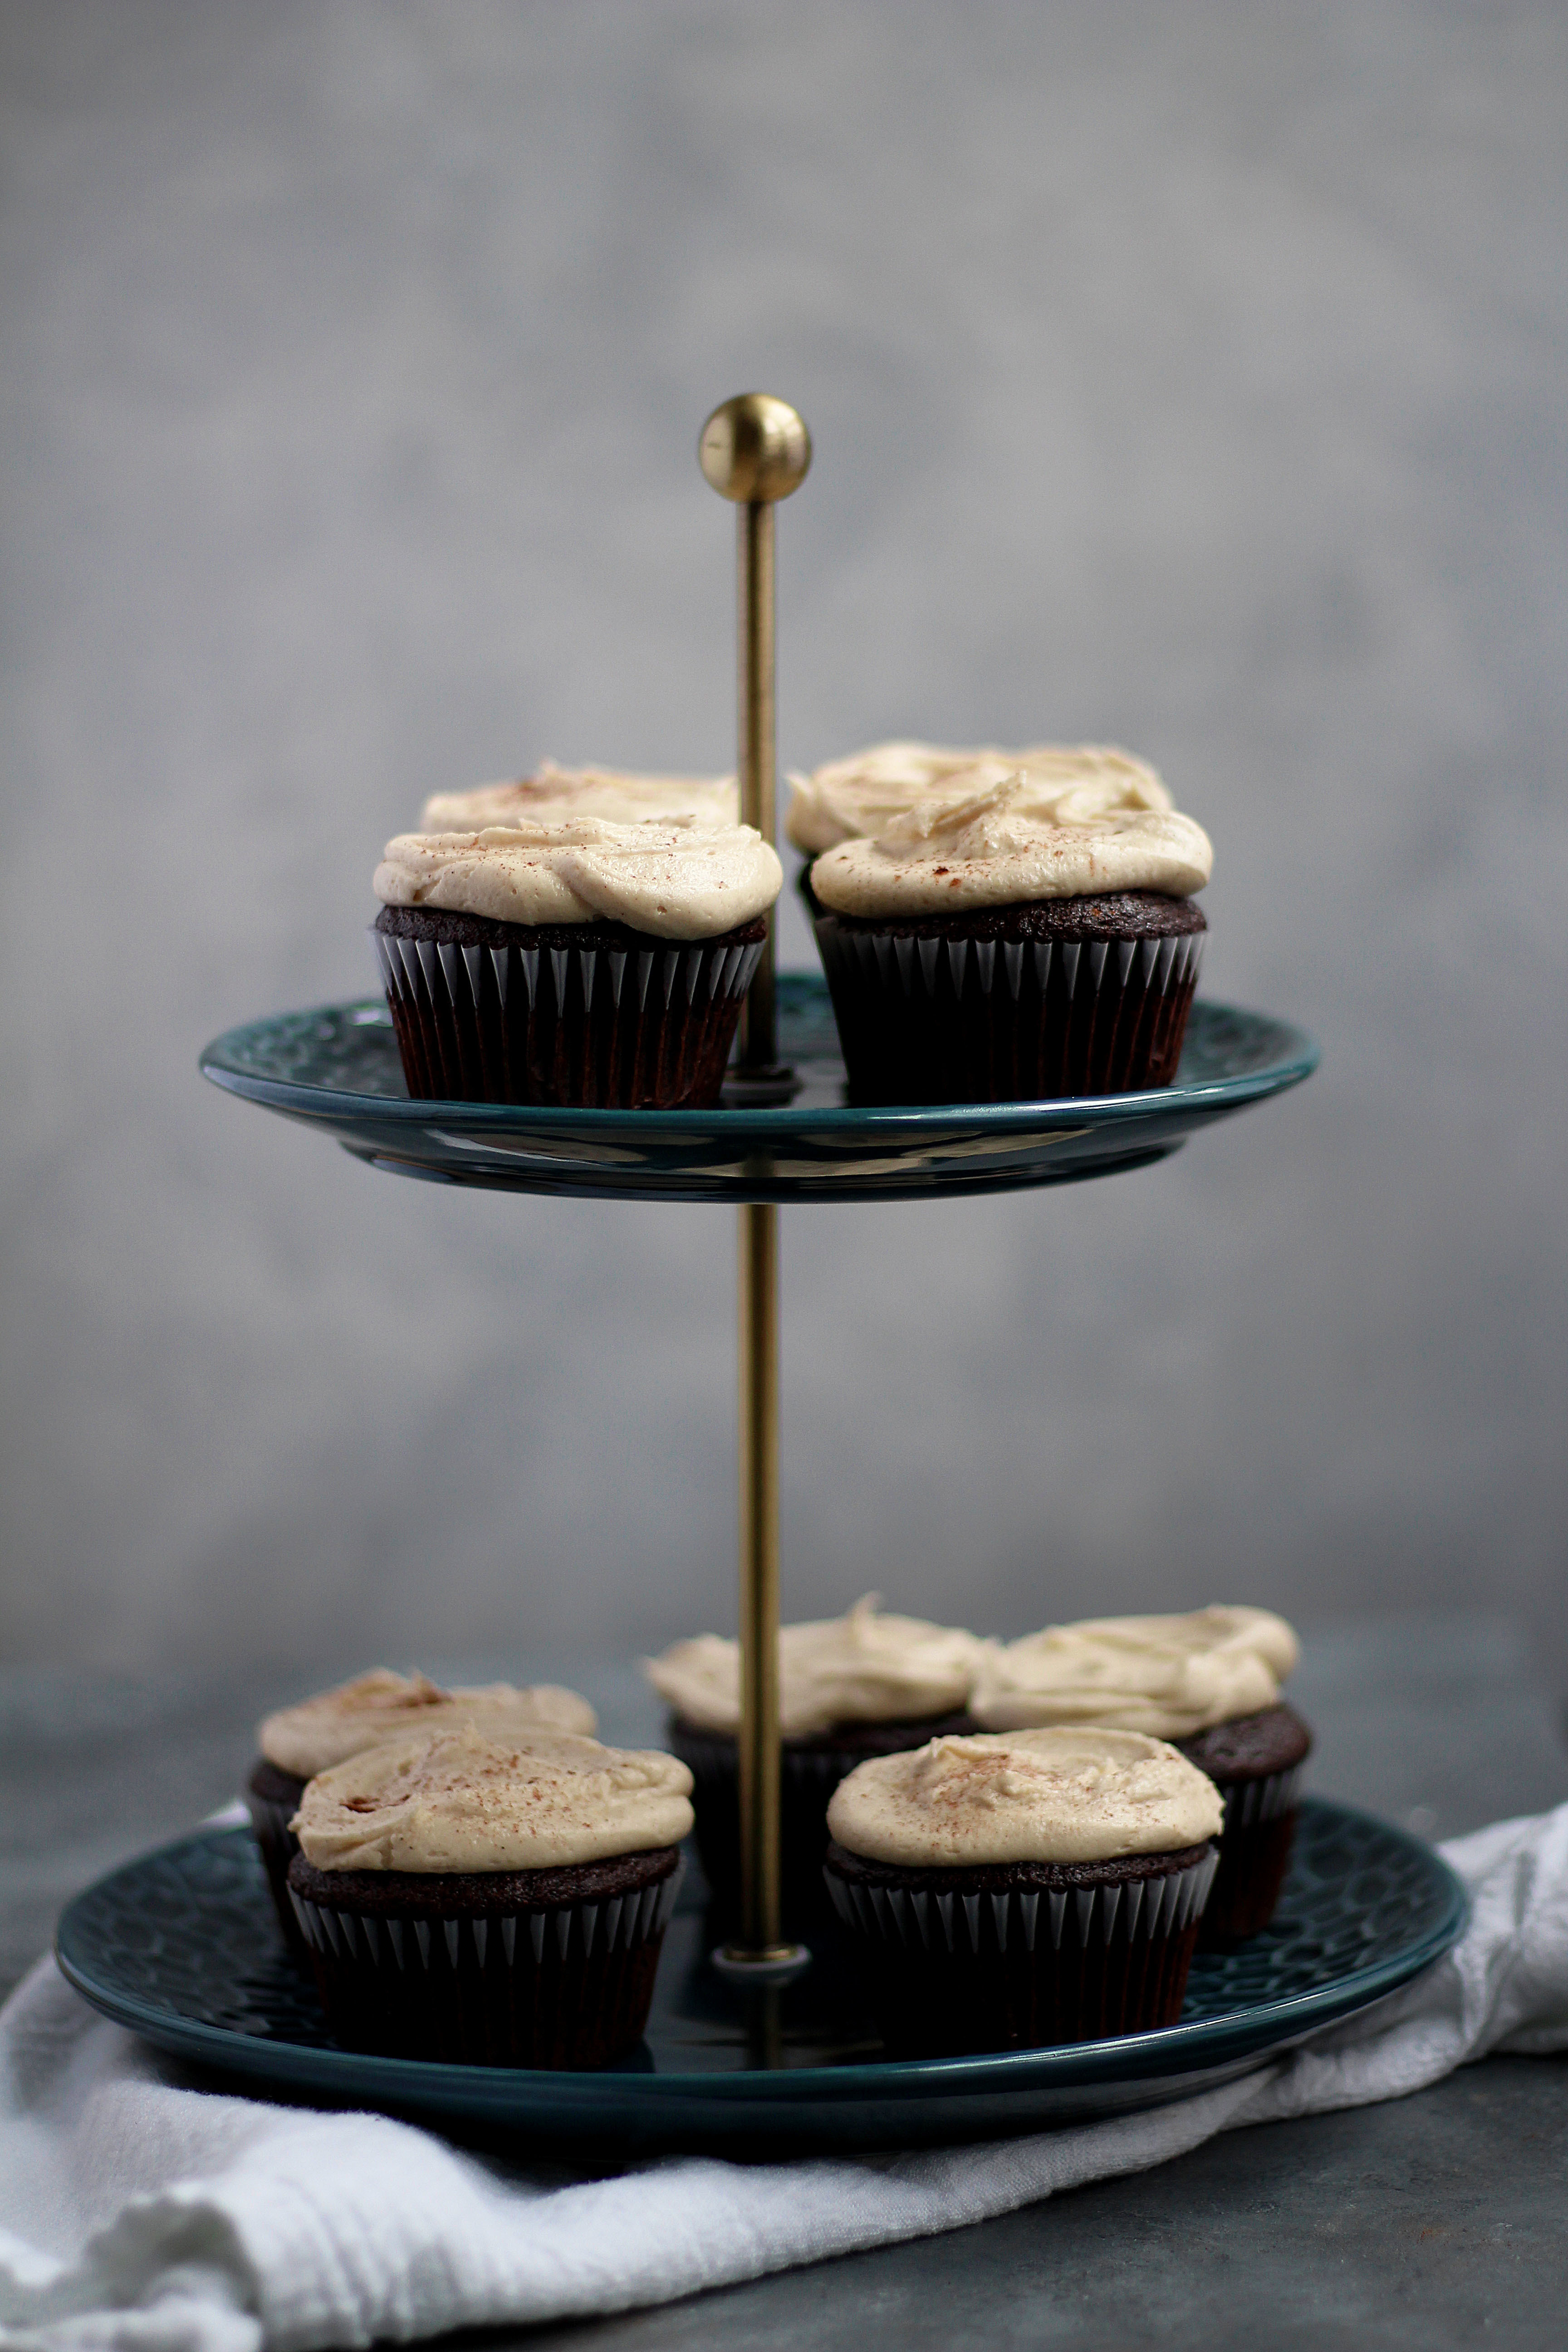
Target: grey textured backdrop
{"points": [[1191, 377]]}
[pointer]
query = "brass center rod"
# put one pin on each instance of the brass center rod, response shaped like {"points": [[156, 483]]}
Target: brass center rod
{"points": [[754, 640], [755, 450], [759, 1349], [759, 1742]]}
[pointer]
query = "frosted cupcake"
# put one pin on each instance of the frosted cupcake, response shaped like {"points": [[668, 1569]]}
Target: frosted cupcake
{"points": [[1012, 1890], [489, 1901], [565, 957], [1210, 1683], [861, 1685], [609, 792], [1023, 927], [297, 1742]]}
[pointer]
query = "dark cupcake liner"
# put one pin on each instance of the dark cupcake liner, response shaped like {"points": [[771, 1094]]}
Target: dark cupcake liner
{"points": [[634, 1026], [1005, 1959], [1254, 1856], [563, 1984], [926, 1017], [991, 1923], [1256, 1763], [810, 1770], [272, 1800]]}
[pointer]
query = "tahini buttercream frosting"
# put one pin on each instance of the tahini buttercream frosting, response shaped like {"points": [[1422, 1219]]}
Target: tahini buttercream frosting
{"points": [[861, 1668], [857, 798], [381, 1705], [1169, 1676], [609, 792], [1009, 840], [1058, 1795], [679, 877], [467, 1799]]}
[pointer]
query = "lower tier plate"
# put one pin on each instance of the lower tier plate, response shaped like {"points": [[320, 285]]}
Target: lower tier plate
{"points": [[181, 1945], [337, 1069]]}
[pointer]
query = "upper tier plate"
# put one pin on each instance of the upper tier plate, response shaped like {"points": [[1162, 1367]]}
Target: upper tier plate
{"points": [[337, 1066]]}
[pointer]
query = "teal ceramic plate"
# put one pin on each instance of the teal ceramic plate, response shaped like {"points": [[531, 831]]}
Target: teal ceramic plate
{"points": [[337, 1069], [181, 1945]]}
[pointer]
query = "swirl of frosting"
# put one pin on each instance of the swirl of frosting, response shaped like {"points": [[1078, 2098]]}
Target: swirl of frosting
{"points": [[674, 876], [862, 1668], [1169, 1676], [1008, 844], [585, 792], [380, 1706], [471, 1799], [857, 798], [1059, 1795]]}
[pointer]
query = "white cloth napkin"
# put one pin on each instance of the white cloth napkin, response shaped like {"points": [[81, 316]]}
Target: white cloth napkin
{"points": [[138, 2213]]}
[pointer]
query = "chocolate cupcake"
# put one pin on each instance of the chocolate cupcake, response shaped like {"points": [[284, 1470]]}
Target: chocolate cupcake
{"points": [[487, 1901], [297, 1742], [849, 1687], [1254, 1762], [1208, 1682], [565, 959], [1023, 929], [1010, 1890]]}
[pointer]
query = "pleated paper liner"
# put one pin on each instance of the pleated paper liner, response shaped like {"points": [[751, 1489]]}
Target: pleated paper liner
{"points": [[928, 1015], [1025, 1955], [1254, 1856], [272, 1800], [490, 1974], [500, 1012], [1254, 1762]]}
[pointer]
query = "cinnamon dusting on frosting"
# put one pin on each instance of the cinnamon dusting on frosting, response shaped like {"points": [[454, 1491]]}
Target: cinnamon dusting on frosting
{"points": [[915, 829], [1058, 1795], [855, 799], [609, 792], [676, 876], [381, 1705], [467, 1799]]}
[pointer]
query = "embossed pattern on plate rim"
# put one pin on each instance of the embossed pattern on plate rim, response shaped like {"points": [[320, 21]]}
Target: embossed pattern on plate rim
{"points": [[1005, 2091]]}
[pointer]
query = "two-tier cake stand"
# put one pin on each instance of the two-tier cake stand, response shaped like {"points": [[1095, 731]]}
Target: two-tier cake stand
{"points": [[753, 2042]]}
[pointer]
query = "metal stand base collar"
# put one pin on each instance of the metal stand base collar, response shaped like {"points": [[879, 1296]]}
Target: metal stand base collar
{"points": [[775, 1964], [755, 1089]]}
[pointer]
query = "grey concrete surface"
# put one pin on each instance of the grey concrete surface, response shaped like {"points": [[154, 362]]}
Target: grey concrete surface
{"points": [[1432, 2222], [1430, 2225], [1189, 377]]}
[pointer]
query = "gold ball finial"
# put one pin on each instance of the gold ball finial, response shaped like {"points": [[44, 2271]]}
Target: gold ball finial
{"points": [[754, 448]]}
